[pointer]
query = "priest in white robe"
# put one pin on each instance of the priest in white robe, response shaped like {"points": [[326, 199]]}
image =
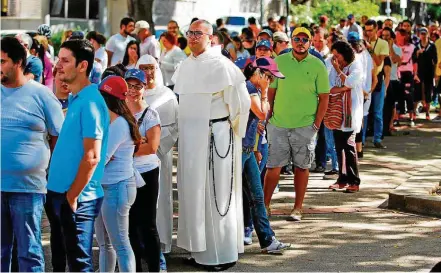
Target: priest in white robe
{"points": [[213, 112], [164, 101]]}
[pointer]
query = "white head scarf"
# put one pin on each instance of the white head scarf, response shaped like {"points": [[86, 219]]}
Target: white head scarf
{"points": [[148, 59]]}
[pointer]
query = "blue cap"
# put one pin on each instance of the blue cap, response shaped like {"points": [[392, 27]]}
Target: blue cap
{"points": [[267, 31], [350, 16], [264, 43], [77, 34], [137, 74], [353, 36], [243, 62]]}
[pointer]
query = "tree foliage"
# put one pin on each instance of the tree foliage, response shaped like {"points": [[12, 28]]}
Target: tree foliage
{"points": [[334, 9]]}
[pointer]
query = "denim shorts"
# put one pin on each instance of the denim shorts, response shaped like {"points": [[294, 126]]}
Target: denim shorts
{"points": [[286, 145]]}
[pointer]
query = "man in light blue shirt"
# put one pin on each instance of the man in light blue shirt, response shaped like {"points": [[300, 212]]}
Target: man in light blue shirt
{"points": [[74, 190], [30, 113]]}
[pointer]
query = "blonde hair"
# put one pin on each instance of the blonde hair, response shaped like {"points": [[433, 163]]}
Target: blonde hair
{"points": [[66, 34], [43, 41]]}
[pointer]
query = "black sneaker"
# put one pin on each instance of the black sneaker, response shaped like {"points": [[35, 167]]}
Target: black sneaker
{"points": [[360, 154], [379, 145], [331, 175], [318, 169]]}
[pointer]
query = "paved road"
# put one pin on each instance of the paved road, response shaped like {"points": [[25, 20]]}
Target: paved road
{"points": [[350, 232]]}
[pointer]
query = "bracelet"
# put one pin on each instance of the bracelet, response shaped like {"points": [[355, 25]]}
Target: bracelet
{"points": [[315, 127]]}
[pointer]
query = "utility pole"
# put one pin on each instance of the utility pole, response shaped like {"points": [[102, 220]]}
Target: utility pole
{"points": [[287, 14], [261, 13], [403, 6], [388, 10]]}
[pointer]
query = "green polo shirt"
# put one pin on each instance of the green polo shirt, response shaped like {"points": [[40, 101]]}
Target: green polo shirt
{"points": [[296, 100]]}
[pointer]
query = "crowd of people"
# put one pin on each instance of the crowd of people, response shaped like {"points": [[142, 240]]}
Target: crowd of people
{"points": [[88, 135]]}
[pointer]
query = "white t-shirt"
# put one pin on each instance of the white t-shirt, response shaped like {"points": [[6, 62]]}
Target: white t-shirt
{"points": [[394, 70], [117, 44], [101, 55], [147, 163], [150, 46], [119, 155]]}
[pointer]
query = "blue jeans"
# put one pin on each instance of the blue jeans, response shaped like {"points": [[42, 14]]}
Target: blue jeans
{"points": [[21, 219], [77, 229], [330, 148], [378, 104], [112, 227], [252, 188], [364, 129], [263, 149]]}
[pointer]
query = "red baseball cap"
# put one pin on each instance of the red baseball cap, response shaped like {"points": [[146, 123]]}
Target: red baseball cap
{"points": [[115, 86]]}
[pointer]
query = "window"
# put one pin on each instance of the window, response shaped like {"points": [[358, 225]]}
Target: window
{"points": [[30, 9], [75, 9]]}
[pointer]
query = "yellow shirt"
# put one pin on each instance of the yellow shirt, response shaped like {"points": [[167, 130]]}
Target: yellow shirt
{"points": [[381, 47]]}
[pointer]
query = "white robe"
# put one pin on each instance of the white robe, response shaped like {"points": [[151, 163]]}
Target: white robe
{"points": [[210, 87], [163, 100]]}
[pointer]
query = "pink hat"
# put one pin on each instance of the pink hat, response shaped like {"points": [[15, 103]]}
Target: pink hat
{"points": [[269, 64]]}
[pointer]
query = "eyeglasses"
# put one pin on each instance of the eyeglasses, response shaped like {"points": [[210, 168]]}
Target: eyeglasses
{"points": [[197, 34], [147, 68], [137, 87], [298, 40]]}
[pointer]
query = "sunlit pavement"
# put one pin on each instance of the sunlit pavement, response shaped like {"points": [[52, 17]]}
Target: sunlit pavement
{"points": [[348, 232]]}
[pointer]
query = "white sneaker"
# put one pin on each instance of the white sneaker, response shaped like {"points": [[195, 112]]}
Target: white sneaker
{"points": [[275, 247], [296, 215], [412, 123], [276, 190]]}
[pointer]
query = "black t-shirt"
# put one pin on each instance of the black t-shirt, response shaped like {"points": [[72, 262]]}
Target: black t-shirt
{"points": [[380, 76], [426, 61]]}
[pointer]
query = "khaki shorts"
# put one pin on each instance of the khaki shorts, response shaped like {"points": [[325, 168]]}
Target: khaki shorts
{"points": [[286, 145]]}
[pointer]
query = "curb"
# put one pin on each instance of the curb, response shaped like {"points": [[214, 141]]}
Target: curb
{"points": [[415, 195]]}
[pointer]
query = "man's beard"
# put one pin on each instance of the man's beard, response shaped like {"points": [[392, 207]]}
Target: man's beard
{"points": [[126, 32], [5, 79]]}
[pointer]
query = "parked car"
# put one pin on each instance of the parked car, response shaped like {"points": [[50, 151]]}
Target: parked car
{"points": [[13, 32]]}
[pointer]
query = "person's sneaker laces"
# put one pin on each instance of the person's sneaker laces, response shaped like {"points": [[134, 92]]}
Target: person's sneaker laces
{"points": [[436, 119], [295, 215], [248, 238], [276, 247], [331, 175]]}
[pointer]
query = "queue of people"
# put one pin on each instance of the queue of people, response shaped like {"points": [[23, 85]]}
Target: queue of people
{"points": [[104, 116]]}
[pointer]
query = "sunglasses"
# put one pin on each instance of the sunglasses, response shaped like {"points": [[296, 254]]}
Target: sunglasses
{"points": [[196, 34], [298, 40], [137, 87]]}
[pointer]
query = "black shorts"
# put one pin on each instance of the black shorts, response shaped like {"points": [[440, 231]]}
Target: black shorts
{"points": [[425, 85]]}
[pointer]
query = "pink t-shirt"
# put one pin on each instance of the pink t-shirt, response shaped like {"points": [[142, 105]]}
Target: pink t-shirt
{"points": [[48, 75], [407, 63]]}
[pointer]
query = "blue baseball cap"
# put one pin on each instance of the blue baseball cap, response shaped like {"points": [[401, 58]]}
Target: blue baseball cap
{"points": [[264, 43], [267, 31], [136, 74], [353, 36], [350, 16]]}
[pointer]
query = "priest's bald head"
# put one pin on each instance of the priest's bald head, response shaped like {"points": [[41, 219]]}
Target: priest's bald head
{"points": [[199, 36]]}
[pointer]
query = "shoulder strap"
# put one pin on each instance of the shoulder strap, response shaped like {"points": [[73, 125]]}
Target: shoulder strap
{"points": [[141, 119]]}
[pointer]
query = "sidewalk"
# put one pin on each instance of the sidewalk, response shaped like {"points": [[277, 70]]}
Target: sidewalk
{"points": [[349, 232]]}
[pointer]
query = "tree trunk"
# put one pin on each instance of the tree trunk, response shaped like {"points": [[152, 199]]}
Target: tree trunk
{"points": [[142, 10]]}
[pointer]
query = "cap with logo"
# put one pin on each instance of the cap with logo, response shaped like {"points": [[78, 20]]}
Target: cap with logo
{"points": [[140, 25], [264, 43], [266, 31], [270, 65], [353, 36], [115, 86], [280, 36], [300, 30], [136, 74]]}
